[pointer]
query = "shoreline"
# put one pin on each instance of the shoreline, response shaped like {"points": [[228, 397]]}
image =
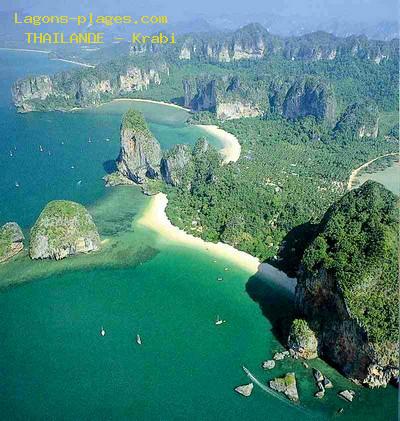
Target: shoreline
{"points": [[151, 101], [355, 172], [156, 219], [47, 52], [25, 50], [231, 148]]}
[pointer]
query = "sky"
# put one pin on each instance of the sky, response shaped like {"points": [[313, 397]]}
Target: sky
{"points": [[349, 10]]}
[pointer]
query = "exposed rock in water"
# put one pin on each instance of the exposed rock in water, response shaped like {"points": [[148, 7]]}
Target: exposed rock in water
{"points": [[63, 229], [11, 241], [280, 355], [302, 340], [348, 395], [268, 365], [341, 289], [317, 375], [245, 389], [140, 152], [286, 385], [175, 164]]}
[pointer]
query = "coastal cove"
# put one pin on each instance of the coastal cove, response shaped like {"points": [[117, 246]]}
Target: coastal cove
{"points": [[55, 364]]}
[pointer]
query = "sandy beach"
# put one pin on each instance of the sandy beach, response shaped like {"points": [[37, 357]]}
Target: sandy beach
{"points": [[156, 219], [152, 102], [230, 145]]}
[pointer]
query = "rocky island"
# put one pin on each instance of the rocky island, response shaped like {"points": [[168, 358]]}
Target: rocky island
{"points": [[11, 241], [63, 229], [140, 153]]}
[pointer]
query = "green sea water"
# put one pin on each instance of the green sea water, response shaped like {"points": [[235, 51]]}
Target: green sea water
{"points": [[54, 365]]}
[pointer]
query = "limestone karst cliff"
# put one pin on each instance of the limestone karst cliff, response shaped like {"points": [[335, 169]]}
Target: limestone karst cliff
{"points": [[84, 88], [140, 152]]}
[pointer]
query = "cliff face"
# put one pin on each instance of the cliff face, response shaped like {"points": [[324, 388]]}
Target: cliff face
{"points": [[63, 229], [176, 164], [205, 98], [255, 42], [347, 288], [359, 120], [84, 88], [11, 241], [140, 152], [310, 97]]}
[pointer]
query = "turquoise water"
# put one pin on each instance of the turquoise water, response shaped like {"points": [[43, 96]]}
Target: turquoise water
{"points": [[53, 362]]}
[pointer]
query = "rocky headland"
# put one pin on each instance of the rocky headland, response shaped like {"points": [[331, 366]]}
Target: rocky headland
{"points": [[347, 288]]}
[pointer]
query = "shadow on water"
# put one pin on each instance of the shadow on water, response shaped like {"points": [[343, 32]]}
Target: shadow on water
{"points": [[276, 304], [110, 166]]}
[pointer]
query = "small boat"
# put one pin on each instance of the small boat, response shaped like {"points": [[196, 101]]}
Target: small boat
{"points": [[41, 148], [219, 321], [16, 184], [107, 140], [79, 182], [102, 331], [90, 140], [72, 167], [220, 278], [226, 269], [138, 340], [11, 154]]}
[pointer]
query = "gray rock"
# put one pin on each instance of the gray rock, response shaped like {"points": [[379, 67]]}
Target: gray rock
{"points": [[327, 383], [286, 385], [348, 395], [11, 241], [268, 364], [318, 375], [245, 389], [175, 164], [140, 152]]}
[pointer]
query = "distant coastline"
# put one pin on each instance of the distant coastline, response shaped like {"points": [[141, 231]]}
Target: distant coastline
{"points": [[27, 50]]}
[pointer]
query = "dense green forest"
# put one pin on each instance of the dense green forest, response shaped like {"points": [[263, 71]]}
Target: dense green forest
{"points": [[288, 174], [357, 243]]}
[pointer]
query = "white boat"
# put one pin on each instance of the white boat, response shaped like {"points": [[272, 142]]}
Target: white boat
{"points": [[102, 331], [138, 340], [41, 148], [219, 321], [16, 184]]}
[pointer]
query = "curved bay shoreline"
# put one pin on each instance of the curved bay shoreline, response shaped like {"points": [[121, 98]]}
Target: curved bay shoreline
{"points": [[155, 218]]}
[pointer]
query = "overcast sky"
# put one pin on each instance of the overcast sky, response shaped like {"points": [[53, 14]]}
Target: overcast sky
{"points": [[320, 10]]}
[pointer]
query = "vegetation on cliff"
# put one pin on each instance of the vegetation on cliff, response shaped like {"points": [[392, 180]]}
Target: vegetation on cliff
{"points": [[358, 246], [63, 228]]}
